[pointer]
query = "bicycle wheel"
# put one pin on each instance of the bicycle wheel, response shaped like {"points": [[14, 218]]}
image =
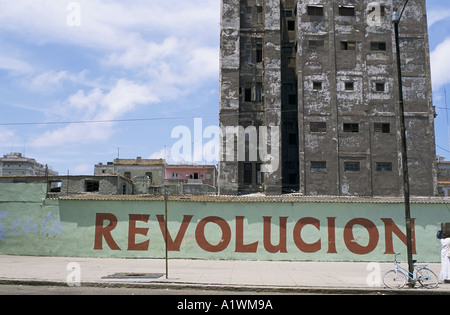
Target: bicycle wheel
{"points": [[394, 279], [427, 278]]}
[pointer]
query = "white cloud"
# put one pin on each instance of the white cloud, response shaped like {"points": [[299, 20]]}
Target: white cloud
{"points": [[94, 105], [14, 65], [435, 16], [141, 51], [440, 67]]}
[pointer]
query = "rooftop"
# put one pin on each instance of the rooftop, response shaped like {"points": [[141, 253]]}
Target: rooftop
{"points": [[257, 198]]}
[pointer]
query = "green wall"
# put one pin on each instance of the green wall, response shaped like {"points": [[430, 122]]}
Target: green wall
{"points": [[31, 225]]}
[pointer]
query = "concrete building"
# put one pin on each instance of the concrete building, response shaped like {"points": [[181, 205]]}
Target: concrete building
{"points": [[443, 178], [14, 164], [153, 169], [324, 72], [191, 179], [150, 175], [74, 185]]}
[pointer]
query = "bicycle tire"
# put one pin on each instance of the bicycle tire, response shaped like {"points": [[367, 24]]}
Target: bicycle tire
{"points": [[427, 278], [394, 279]]}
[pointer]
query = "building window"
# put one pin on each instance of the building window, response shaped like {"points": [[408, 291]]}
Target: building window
{"points": [[349, 86], [149, 176], [127, 175], [318, 166], [248, 53], [92, 186], [248, 173], [55, 186], [351, 166], [291, 25], [259, 53], [317, 86], [348, 45], [259, 11], [259, 92], [259, 175], [248, 15], [382, 127], [287, 13], [377, 46], [351, 127], [379, 86], [384, 167], [315, 10], [318, 126], [346, 10], [316, 43], [248, 95]]}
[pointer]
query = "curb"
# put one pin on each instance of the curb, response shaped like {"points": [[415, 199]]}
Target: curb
{"points": [[234, 288]]}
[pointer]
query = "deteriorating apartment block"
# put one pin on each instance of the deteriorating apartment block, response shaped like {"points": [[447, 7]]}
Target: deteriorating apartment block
{"points": [[325, 73]]}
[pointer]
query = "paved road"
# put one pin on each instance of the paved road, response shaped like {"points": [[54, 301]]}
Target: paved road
{"points": [[63, 290]]}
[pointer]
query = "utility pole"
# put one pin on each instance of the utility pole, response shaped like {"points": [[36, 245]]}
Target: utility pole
{"points": [[166, 198], [404, 148]]}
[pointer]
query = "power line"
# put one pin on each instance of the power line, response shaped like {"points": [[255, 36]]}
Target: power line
{"points": [[102, 121]]}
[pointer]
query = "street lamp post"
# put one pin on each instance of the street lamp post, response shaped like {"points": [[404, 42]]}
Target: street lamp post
{"points": [[396, 19]]}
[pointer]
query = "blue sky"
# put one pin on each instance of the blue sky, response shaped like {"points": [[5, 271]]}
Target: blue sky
{"points": [[145, 66]]}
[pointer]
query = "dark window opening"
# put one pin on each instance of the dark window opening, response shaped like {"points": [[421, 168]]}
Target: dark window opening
{"points": [[348, 45], [318, 166], [315, 10], [349, 86], [379, 87], [377, 46], [351, 127], [384, 167], [317, 85], [287, 13], [291, 25], [318, 127], [248, 173], [346, 10], [92, 186], [382, 128], [55, 186], [248, 95], [259, 53], [352, 166]]}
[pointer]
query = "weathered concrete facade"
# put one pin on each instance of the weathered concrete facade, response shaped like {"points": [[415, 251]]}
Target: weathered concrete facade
{"points": [[62, 185], [325, 72]]}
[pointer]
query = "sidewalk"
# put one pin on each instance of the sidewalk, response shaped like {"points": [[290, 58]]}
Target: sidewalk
{"points": [[265, 276]]}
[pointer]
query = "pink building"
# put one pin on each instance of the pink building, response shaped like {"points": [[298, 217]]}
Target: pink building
{"points": [[194, 174]]}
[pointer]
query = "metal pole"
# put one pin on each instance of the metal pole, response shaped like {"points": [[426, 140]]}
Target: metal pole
{"points": [[404, 148], [166, 197]]}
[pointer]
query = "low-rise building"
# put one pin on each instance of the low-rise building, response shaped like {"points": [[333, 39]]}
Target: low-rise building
{"points": [[150, 175], [64, 185], [15, 164], [443, 178]]}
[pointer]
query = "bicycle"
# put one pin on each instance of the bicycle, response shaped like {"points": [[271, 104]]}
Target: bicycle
{"points": [[397, 278]]}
